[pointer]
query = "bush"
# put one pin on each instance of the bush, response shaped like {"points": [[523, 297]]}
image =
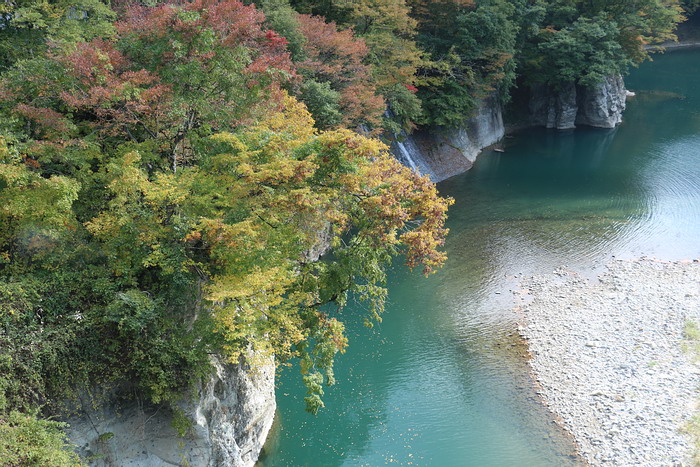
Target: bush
{"points": [[26, 440]]}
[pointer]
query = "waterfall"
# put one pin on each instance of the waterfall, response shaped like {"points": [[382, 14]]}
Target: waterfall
{"points": [[405, 149], [406, 156], [409, 154]]}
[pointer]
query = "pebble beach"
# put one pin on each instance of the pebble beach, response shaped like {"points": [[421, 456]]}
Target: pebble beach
{"points": [[611, 358]]}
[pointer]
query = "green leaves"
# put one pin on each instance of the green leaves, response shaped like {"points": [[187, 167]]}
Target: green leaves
{"points": [[28, 26], [28, 440], [162, 198], [584, 53], [322, 102]]}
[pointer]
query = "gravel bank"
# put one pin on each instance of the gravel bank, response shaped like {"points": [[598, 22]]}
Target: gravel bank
{"points": [[608, 356]]}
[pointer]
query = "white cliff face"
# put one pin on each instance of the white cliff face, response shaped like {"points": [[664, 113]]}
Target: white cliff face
{"points": [[600, 106], [230, 415], [603, 106], [442, 153]]}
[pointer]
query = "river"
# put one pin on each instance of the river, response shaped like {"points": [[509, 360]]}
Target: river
{"points": [[443, 381]]}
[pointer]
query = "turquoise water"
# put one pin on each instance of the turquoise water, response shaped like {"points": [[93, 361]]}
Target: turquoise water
{"points": [[442, 381]]}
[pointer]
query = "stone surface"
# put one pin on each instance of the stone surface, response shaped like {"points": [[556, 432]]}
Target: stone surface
{"points": [[443, 153], [599, 106], [602, 106], [609, 357], [231, 415], [554, 109]]}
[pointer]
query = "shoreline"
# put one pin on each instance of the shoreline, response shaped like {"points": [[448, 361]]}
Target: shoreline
{"points": [[608, 357], [671, 46]]}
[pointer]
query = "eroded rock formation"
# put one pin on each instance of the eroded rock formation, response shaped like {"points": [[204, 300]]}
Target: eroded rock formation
{"points": [[442, 153], [229, 418], [600, 106]]}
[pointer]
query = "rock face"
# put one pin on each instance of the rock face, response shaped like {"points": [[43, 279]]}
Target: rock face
{"points": [[230, 417], [442, 153], [600, 106], [553, 109], [603, 106]]}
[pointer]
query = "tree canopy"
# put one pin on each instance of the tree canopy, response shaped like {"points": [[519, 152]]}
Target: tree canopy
{"points": [[171, 172], [162, 195]]}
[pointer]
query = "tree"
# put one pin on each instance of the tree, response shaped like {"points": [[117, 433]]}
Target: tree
{"points": [[601, 38], [337, 57], [389, 33], [585, 53], [26, 440], [473, 56], [160, 193], [27, 26]]}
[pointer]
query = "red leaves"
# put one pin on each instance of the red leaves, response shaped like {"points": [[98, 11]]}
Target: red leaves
{"points": [[232, 23], [166, 58], [334, 55], [109, 88], [94, 60], [275, 38], [47, 119], [337, 57]]}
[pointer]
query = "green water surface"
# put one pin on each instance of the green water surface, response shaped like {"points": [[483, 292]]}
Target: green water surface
{"points": [[443, 381]]}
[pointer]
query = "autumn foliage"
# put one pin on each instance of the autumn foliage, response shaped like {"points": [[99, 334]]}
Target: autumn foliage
{"points": [[166, 180], [337, 57], [181, 179]]}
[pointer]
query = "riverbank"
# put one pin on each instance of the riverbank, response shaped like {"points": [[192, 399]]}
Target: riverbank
{"points": [[677, 45], [609, 358]]}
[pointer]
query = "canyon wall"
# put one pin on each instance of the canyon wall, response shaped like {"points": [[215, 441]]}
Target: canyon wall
{"points": [[599, 106], [442, 152], [224, 423]]}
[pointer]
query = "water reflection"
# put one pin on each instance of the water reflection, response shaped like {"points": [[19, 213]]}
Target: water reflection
{"points": [[442, 381]]}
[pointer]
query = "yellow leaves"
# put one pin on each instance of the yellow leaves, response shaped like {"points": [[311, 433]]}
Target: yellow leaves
{"points": [[390, 197], [279, 187], [14, 174], [255, 312], [167, 189], [103, 226], [278, 171], [263, 287], [29, 197], [357, 146], [231, 140], [131, 158], [239, 238], [290, 127]]}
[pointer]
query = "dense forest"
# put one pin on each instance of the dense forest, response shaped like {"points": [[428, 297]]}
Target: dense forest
{"points": [[170, 173]]}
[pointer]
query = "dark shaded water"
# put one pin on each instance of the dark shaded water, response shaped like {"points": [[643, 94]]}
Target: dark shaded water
{"points": [[442, 381]]}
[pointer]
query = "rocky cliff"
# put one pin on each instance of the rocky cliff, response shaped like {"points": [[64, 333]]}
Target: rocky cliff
{"points": [[442, 153], [599, 106], [225, 424]]}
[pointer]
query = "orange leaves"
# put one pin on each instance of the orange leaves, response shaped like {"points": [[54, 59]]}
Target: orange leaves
{"points": [[50, 122], [393, 196], [337, 57], [332, 54]]}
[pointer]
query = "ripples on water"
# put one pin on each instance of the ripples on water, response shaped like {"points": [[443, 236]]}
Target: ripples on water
{"points": [[442, 380]]}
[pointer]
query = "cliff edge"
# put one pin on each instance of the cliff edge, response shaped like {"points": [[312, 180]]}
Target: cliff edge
{"points": [[224, 423]]}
